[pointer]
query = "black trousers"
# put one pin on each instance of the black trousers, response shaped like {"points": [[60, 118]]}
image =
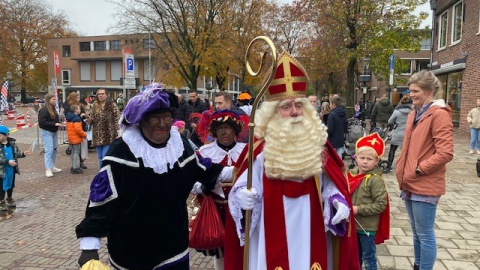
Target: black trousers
{"points": [[391, 154]]}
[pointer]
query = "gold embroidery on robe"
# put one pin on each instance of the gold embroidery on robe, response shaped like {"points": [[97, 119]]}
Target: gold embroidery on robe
{"points": [[316, 266]]}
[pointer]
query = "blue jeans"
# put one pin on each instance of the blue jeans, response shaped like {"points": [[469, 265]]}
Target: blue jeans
{"points": [[101, 152], [474, 138], [50, 143], [367, 251], [340, 151], [422, 220]]}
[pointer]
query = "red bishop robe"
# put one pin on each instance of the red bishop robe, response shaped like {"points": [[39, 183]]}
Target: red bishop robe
{"points": [[345, 254]]}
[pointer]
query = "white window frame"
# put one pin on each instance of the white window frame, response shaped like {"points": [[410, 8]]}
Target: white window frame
{"points": [[69, 80], [85, 71], [100, 71], [440, 32], [408, 73], [454, 23], [115, 70], [114, 43]]}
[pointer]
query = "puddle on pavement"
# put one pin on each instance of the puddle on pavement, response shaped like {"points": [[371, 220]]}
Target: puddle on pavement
{"points": [[24, 206]]}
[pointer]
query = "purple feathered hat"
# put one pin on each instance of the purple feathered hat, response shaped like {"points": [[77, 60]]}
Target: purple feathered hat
{"points": [[153, 98]]}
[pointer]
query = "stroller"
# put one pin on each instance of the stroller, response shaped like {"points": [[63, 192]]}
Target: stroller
{"points": [[355, 130], [386, 135]]}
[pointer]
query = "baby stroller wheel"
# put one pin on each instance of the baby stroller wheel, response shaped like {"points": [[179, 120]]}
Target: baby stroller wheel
{"points": [[385, 165], [351, 165]]}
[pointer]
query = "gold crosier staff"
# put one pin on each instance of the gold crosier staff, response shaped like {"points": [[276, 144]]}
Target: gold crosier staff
{"points": [[251, 126]]}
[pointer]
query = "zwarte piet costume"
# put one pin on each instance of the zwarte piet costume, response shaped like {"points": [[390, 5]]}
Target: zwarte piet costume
{"points": [[138, 199]]}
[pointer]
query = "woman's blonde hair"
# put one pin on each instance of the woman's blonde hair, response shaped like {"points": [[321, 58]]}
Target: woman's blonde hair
{"points": [[426, 80], [72, 98]]}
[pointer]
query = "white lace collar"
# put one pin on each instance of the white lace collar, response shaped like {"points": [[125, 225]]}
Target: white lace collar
{"points": [[217, 154], [159, 159]]}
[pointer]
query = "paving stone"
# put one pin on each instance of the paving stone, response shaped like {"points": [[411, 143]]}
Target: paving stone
{"points": [[443, 254], [454, 225], [464, 255], [445, 243], [400, 251], [460, 265]]}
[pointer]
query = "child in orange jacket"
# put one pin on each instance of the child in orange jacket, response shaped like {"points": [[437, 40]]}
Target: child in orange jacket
{"points": [[75, 136]]}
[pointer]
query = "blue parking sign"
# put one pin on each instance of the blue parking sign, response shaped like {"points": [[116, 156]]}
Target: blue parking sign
{"points": [[129, 64]]}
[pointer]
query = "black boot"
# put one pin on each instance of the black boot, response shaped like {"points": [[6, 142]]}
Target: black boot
{"points": [[416, 267], [391, 155], [82, 165]]}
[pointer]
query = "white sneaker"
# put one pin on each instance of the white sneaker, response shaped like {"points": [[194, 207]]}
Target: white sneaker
{"points": [[55, 169], [48, 173], [471, 151], [478, 152]]}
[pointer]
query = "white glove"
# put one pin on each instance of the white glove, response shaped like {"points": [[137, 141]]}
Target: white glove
{"points": [[246, 198], [343, 212], [197, 188]]}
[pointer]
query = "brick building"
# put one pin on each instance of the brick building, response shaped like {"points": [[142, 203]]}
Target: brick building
{"points": [[91, 62], [412, 62], [456, 55]]}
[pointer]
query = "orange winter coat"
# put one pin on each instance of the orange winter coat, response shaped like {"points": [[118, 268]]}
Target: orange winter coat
{"points": [[429, 146], [74, 129]]}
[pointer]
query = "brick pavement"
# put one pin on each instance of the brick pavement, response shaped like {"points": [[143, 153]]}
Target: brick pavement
{"points": [[39, 234]]}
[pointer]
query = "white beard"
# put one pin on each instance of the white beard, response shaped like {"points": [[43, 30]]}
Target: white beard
{"points": [[293, 147]]}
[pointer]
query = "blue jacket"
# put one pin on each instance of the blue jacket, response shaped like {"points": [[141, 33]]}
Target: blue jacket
{"points": [[337, 126]]}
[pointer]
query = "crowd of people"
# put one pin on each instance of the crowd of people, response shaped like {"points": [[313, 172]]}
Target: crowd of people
{"points": [[307, 211]]}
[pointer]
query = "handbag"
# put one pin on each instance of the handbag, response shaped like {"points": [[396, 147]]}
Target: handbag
{"points": [[207, 230], [84, 149]]}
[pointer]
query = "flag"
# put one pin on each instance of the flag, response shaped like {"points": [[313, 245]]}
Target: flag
{"points": [[4, 104], [56, 62], [55, 91]]}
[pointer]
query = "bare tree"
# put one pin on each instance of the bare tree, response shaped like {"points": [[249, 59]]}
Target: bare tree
{"points": [[183, 31]]}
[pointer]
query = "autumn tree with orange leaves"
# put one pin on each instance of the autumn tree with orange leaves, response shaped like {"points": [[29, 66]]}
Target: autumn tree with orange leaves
{"points": [[239, 23], [346, 31], [25, 26]]}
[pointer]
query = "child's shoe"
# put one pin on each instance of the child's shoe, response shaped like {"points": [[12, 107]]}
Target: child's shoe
{"points": [[76, 171], [3, 206], [11, 202]]}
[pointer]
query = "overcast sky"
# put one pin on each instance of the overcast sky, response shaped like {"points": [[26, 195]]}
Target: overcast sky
{"points": [[94, 17]]}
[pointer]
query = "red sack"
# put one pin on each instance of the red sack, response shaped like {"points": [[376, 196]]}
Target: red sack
{"points": [[207, 231]]}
